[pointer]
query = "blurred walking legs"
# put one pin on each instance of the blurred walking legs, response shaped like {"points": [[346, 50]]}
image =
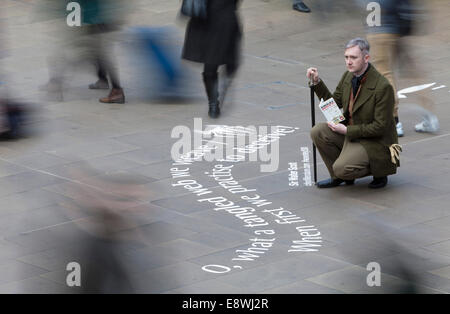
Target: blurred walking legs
{"points": [[105, 67], [384, 50], [211, 81]]}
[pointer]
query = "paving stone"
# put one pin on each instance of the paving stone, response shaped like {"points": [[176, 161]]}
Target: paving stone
{"points": [[302, 286], [212, 286], [29, 200], [351, 280], [442, 272], [34, 285], [168, 278], [7, 169], [15, 271], [280, 273], [160, 232], [27, 181]]}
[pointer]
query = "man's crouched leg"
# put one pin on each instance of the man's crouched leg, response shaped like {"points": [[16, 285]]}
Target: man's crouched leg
{"points": [[329, 144], [353, 163]]}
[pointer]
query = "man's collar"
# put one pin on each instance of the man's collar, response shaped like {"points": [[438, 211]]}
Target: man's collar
{"points": [[371, 74], [368, 67]]}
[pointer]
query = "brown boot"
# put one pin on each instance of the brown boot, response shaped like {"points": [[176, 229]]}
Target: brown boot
{"points": [[115, 97]]}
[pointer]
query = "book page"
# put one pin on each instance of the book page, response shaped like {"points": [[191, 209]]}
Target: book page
{"points": [[331, 111]]}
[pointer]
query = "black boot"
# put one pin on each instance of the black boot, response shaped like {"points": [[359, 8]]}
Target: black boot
{"points": [[300, 6], [379, 182], [223, 88], [331, 183], [212, 91]]}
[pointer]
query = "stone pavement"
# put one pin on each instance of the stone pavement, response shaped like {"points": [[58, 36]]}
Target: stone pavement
{"points": [[405, 226]]}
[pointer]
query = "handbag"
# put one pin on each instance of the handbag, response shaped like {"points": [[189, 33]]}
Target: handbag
{"points": [[194, 8]]}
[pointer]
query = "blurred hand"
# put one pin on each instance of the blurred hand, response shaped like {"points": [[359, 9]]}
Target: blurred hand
{"points": [[313, 75], [338, 128]]}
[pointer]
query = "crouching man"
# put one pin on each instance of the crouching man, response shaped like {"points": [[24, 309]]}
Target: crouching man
{"points": [[366, 142]]}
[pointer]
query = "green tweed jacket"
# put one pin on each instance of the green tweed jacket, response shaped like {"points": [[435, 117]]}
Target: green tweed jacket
{"points": [[373, 120]]}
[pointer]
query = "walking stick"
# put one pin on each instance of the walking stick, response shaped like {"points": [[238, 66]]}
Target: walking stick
{"points": [[313, 120]]}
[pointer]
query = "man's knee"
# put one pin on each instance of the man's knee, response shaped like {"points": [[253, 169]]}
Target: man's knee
{"points": [[338, 170], [342, 171], [317, 131], [349, 172]]}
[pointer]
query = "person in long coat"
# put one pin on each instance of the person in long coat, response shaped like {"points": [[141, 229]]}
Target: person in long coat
{"points": [[366, 142], [215, 41]]}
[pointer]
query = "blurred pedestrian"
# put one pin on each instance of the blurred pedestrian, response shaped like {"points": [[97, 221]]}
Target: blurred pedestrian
{"points": [[387, 43], [107, 203], [13, 114], [13, 118], [87, 42], [97, 24], [215, 41]]}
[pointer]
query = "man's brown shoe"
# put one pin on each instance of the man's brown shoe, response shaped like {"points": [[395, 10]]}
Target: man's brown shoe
{"points": [[115, 97]]}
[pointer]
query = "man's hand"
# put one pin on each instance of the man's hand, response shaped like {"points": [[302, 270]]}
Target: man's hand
{"points": [[313, 75], [338, 128]]}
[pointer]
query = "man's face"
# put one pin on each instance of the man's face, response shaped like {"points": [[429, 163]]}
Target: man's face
{"points": [[355, 60]]}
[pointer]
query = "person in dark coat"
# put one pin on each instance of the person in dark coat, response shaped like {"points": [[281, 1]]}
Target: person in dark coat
{"points": [[215, 41]]}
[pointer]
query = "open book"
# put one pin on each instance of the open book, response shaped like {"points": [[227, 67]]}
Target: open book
{"points": [[331, 111]]}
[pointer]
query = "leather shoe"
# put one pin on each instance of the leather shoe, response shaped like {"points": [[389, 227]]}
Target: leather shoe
{"points": [[115, 97], [379, 182], [301, 7], [214, 110], [331, 183]]}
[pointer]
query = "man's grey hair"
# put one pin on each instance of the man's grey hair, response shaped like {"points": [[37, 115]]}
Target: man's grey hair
{"points": [[361, 43]]}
